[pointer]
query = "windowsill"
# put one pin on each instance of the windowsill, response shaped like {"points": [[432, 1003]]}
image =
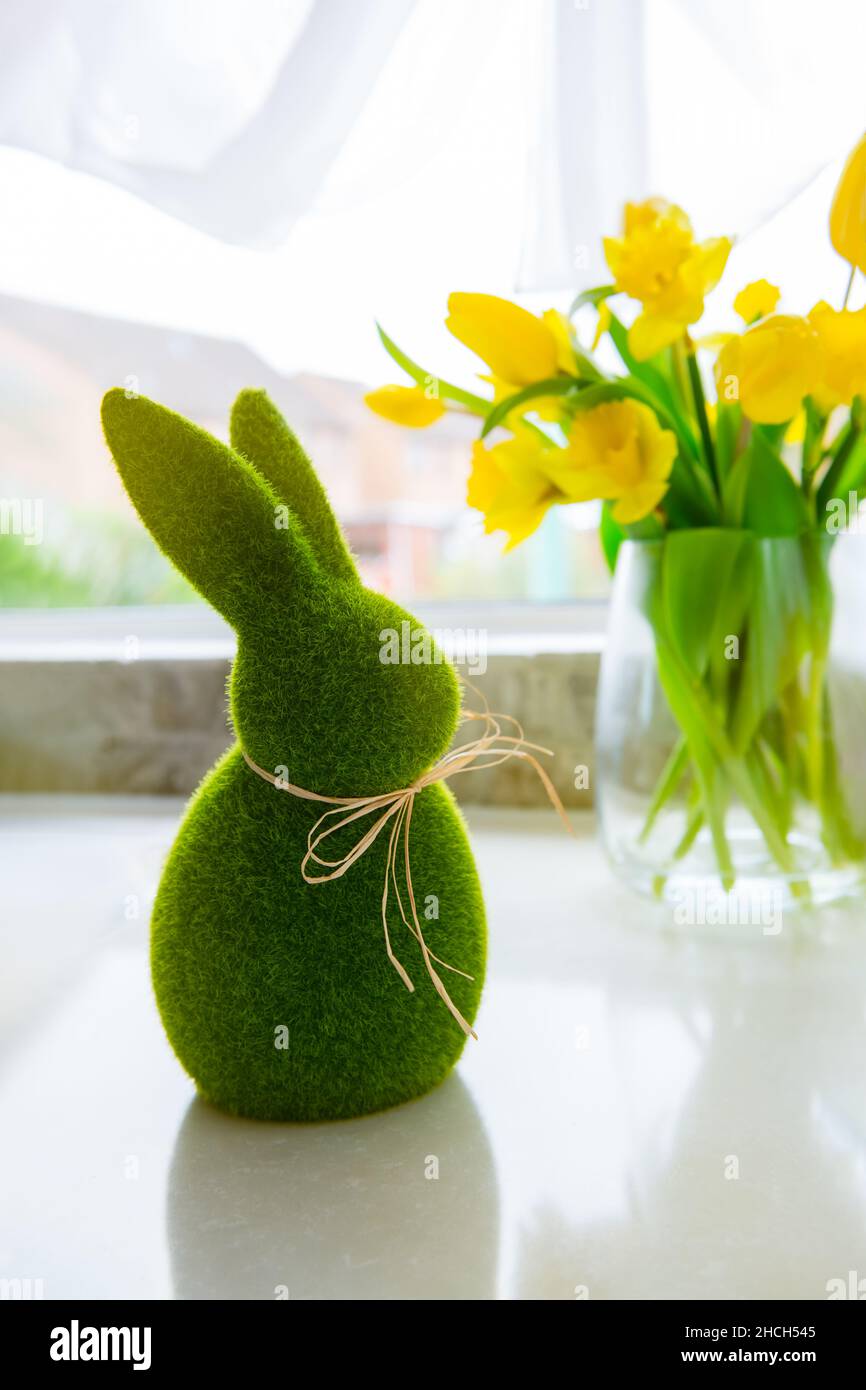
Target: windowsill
{"points": [[195, 632], [133, 699]]}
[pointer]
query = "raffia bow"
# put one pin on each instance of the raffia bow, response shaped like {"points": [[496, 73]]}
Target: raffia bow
{"points": [[395, 808]]}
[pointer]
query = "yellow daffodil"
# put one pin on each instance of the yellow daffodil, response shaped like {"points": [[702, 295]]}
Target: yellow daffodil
{"points": [[510, 484], [406, 405], [617, 451], [848, 213], [756, 301], [770, 368], [842, 345], [658, 262]]}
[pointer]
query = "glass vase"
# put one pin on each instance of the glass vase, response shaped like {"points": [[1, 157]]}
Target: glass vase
{"points": [[731, 723]]}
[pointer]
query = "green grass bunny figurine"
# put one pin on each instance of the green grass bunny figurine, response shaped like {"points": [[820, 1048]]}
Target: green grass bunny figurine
{"points": [[281, 998]]}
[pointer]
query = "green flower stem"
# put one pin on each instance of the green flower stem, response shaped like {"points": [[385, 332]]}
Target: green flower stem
{"points": [[703, 421], [833, 477], [694, 823], [814, 729], [690, 834], [476, 405], [700, 725], [680, 371], [762, 733], [672, 774], [774, 777], [779, 765], [816, 423]]}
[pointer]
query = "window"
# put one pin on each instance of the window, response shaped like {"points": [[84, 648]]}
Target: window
{"points": [[456, 150]]}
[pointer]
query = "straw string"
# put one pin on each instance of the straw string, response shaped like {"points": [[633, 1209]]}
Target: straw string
{"points": [[394, 810]]}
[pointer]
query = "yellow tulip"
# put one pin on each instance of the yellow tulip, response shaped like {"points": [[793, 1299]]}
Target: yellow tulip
{"points": [[617, 451], [770, 368], [658, 262], [519, 348], [848, 213], [756, 301], [842, 345], [406, 405], [510, 484]]}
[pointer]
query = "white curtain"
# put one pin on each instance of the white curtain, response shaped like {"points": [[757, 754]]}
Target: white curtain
{"points": [[588, 146], [227, 115], [729, 107], [247, 120]]}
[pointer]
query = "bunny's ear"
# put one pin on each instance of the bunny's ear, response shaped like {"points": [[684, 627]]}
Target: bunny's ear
{"points": [[260, 434], [211, 513]]}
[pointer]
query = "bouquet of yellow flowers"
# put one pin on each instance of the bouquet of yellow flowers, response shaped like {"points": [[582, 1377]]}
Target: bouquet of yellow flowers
{"points": [[729, 507]]}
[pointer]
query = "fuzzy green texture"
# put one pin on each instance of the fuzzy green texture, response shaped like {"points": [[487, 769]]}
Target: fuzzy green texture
{"points": [[241, 946]]}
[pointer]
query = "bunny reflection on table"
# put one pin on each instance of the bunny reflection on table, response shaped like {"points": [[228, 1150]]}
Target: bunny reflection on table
{"points": [[277, 996]]}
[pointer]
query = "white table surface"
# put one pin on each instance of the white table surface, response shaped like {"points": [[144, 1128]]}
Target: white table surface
{"points": [[587, 1145]]}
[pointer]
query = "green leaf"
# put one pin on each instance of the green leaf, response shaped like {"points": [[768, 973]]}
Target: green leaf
{"points": [[778, 634], [613, 533], [645, 372], [772, 435], [855, 469], [675, 769], [477, 404], [708, 768], [700, 405], [761, 496], [715, 758], [612, 536], [847, 472], [699, 569], [729, 421], [552, 386], [686, 501], [586, 368], [816, 424], [594, 297]]}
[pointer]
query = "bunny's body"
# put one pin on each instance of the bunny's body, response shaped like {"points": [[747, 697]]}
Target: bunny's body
{"points": [[278, 996]]}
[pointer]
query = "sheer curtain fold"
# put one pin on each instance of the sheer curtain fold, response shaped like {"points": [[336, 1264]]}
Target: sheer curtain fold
{"points": [[243, 119], [226, 116], [588, 141]]}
